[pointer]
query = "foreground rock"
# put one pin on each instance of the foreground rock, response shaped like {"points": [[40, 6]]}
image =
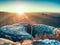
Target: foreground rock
{"points": [[46, 42], [14, 32], [42, 29], [26, 25]]}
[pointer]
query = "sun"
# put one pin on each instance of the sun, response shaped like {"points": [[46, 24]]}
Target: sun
{"points": [[20, 10]]}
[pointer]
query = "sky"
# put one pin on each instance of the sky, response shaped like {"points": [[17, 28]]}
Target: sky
{"points": [[30, 5]]}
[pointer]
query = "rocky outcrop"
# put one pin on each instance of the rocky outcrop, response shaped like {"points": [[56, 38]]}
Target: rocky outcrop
{"points": [[14, 32], [42, 29]]}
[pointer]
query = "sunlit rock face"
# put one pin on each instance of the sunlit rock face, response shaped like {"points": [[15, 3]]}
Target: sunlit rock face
{"points": [[57, 31], [27, 42], [14, 32], [43, 29], [46, 42], [6, 42]]}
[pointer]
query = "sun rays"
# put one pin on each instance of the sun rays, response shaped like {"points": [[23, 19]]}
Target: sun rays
{"points": [[20, 10]]}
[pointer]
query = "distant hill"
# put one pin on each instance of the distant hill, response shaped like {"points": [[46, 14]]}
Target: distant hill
{"points": [[52, 19]]}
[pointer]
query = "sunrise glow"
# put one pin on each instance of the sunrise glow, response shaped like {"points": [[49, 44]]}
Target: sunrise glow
{"points": [[20, 10]]}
